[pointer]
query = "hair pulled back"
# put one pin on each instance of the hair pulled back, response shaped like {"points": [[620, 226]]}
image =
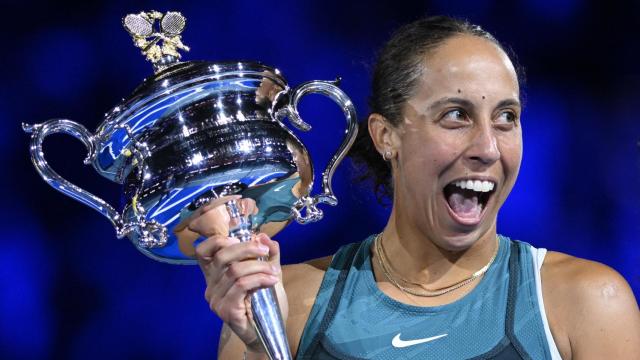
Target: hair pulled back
{"points": [[395, 77]]}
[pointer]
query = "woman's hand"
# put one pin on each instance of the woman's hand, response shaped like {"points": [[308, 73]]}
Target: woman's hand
{"points": [[231, 268]]}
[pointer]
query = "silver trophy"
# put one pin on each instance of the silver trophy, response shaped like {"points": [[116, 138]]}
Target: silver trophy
{"points": [[195, 131]]}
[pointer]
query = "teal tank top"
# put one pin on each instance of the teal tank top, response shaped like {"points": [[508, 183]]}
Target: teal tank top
{"points": [[499, 319]]}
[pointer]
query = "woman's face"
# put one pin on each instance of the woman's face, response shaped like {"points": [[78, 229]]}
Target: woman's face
{"points": [[459, 147]]}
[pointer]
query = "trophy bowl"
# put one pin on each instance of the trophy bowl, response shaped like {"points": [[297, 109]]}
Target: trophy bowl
{"points": [[198, 130], [195, 131]]}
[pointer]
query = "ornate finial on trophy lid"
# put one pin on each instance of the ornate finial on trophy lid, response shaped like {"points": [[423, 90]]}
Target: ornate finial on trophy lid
{"points": [[141, 28]]}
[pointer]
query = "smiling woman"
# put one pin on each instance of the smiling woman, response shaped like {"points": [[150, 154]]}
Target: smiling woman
{"points": [[444, 141]]}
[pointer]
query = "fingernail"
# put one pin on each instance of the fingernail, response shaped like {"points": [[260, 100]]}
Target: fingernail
{"points": [[263, 249], [275, 269], [274, 278]]}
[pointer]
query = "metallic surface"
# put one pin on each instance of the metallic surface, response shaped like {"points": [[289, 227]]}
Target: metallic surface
{"points": [[190, 129], [148, 233], [326, 197], [269, 324], [38, 133], [265, 309]]}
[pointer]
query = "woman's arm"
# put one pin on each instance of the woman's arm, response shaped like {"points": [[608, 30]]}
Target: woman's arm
{"points": [[591, 309]]}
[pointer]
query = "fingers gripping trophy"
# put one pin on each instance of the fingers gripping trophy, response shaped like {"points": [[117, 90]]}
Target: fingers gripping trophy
{"points": [[196, 132]]}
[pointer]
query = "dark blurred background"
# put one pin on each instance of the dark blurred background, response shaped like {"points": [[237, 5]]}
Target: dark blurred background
{"points": [[70, 290]]}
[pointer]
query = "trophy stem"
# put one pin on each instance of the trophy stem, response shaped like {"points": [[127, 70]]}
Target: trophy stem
{"points": [[265, 309]]}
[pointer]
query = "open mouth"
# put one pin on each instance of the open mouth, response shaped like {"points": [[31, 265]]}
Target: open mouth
{"points": [[468, 198]]}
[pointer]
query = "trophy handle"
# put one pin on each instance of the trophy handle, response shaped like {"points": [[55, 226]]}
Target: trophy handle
{"points": [[38, 133], [150, 233], [331, 90]]}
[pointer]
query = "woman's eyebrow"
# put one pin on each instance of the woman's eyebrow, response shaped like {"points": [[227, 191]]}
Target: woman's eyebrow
{"points": [[469, 105], [508, 102], [451, 100]]}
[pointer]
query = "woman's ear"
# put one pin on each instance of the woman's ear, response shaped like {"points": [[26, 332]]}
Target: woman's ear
{"points": [[384, 136]]}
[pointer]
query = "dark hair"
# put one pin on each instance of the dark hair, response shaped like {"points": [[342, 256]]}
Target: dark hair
{"points": [[395, 77]]}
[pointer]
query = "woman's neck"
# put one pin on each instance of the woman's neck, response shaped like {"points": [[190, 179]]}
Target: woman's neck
{"points": [[415, 257]]}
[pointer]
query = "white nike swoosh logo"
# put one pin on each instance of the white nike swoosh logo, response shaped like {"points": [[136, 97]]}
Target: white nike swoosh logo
{"points": [[279, 187], [398, 343]]}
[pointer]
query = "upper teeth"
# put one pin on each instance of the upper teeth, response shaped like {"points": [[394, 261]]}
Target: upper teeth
{"points": [[475, 185]]}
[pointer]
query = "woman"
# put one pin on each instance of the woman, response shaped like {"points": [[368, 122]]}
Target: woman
{"points": [[438, 282]]}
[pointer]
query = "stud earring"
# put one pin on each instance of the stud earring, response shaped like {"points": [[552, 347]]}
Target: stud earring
{"points": [[386, 156]]}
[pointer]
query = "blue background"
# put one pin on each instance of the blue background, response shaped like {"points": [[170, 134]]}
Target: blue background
{"points": [[70, 290]]}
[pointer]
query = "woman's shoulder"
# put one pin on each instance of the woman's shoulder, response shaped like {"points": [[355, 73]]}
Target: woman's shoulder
{"points": [[584, 284], [581, 277], [301, 276], [307, 277], [301, 283], [584, 300]]}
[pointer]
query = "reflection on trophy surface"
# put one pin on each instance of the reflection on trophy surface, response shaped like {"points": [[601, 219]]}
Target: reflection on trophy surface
{"points": [[196, 131]]}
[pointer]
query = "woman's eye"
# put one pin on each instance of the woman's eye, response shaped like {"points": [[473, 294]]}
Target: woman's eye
{"points": [[507, 117], [454, 115]]}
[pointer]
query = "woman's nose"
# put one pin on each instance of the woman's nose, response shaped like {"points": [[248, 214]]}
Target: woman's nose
{"points": [[483, 147]]}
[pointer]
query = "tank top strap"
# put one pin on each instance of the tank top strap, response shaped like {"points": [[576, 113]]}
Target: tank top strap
{"points": [[524, 324], [329, 293], [514, 283]]}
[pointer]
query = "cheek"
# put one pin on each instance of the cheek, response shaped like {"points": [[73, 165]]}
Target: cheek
{"points": [[511, 153], [422, 159], [511, 158]]}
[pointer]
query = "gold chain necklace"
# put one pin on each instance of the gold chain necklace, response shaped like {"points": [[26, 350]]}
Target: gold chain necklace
{"points": [[379, 251]]}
